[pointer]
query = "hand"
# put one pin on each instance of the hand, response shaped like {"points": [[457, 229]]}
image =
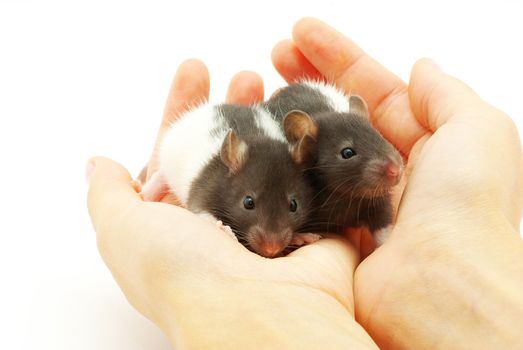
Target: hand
{"points": [[204, 289], [451, 274]]}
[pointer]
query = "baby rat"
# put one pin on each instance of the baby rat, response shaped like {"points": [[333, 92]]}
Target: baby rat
{"points": [[353, 167], [233, 164]]}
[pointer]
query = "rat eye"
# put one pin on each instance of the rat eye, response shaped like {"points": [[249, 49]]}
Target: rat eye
{"points": [[348, 153], [248, 203], [293, 206]]}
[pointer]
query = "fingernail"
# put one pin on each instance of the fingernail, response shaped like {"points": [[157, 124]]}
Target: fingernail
{"points": [[434, 64], [89, 168]]}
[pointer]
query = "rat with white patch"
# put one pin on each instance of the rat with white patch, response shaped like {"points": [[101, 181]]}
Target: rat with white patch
{"points": [[232, 164], [352, 167]]}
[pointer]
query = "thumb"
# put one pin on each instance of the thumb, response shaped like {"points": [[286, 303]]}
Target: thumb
{"points": [[436, 97], [110, 191], [467, 151], [332, 261]]}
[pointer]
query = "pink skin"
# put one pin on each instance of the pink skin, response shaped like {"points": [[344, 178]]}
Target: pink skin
{"points": [[155, 188], [300, 239], [393, 173], [137, 185], [273, 247], [269, 248]]}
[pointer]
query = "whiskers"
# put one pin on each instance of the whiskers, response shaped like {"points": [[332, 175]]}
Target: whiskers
{"points": [[346, 205], [321, 167], [229, 219]]}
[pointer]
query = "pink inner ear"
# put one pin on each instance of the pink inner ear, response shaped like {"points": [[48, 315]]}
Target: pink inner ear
{"points": [[155, 189], [298, 124], [233, 152]]}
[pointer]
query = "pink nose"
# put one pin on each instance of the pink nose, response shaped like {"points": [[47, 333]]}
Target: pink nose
{"points": [[393, 172], [270, 249]]}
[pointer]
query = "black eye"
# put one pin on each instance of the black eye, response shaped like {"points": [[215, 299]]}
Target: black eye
{"points": [[293, 206], [348, 153], [248, 203]]}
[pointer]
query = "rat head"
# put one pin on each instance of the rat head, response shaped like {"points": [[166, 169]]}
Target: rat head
{"points": [[351, 157], [265, 197]]}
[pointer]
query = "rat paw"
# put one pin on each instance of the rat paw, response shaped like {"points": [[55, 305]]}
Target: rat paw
{"points": [[300, 239], [227, 229]]}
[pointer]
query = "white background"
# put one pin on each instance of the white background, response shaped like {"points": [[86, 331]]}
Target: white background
{"points": [[84, 78]]}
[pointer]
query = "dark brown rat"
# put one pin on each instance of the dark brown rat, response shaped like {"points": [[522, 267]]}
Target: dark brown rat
{"points": [[233, 164], [352, 168]]}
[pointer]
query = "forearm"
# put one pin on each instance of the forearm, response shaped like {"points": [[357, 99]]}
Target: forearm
{"points": [[254, 315]]}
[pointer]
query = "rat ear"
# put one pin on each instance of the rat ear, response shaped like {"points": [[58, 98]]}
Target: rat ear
{"points": [[297, 124], [234, 152], [301, 132], [358, 106], [302, 151]]}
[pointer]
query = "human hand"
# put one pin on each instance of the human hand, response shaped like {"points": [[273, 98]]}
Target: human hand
{"points": [[451, 273], [203, 289]]}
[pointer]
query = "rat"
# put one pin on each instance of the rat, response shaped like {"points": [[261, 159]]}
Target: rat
{"points": [[352, 167], [233, 165]]}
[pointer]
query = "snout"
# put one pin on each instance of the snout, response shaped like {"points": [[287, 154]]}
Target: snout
{"points": [[392, 172], [271, 248], [381, 175], [269, 244]]}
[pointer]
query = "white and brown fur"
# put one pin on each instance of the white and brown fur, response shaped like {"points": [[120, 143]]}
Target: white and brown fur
{"points": [[216, 155], [349, 192]]}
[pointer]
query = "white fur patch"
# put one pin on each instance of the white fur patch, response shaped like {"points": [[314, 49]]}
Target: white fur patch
{"points": [[381, 235], [188, 146], [336, 98], [270, 127]]}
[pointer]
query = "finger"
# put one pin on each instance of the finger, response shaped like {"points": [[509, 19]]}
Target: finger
{"points": [[246, 88], [334, 261], [343, 63], [340, 60], [439, 99], [370, 286], [190, 87], [114, 209], [121, 219], [110, 191], [436, 97], [479, 135], [291, 64]]}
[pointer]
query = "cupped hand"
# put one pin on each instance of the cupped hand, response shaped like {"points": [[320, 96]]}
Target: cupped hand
{"points": [[451, 274], [204, 289]]}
